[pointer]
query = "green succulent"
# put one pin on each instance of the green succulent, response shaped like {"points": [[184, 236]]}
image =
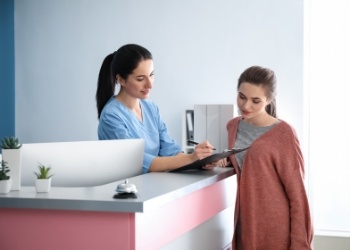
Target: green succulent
{"points": [[4, 170], [10, 143], [44, 172]]}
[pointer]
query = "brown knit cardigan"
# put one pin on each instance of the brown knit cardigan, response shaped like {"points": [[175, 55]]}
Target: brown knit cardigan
{"points": [[271, 201]]}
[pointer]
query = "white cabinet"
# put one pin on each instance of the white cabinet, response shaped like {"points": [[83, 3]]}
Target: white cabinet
{"points": [[209, 124]]}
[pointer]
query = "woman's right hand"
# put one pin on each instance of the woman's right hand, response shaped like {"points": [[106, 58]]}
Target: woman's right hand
{"points": [[202, 150]]}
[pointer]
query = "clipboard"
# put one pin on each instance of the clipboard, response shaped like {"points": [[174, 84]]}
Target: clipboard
{"points": [[197, 165]]}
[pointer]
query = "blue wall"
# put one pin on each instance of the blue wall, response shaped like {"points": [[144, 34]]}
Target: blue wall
{"points": [[7, 69]]}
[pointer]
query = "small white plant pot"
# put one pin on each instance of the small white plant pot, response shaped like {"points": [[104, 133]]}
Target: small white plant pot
{"points": [[43, 185], [5, 186]]}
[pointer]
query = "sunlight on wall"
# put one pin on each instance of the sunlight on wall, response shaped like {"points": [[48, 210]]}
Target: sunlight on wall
{"points": [[327, 66]]}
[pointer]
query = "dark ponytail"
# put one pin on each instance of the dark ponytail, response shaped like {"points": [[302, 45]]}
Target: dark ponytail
{"points": [[105, 84], [271, 108], [121, 63]]}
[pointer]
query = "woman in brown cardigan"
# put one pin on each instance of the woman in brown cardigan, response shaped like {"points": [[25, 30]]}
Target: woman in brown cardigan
{"points": [[272, 210]]}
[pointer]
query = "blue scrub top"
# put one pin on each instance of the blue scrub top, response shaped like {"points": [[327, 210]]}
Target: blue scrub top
{"points": [[119, 122]]}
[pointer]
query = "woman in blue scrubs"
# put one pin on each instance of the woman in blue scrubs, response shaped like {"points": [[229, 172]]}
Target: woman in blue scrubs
{"points": [[129, 114]]}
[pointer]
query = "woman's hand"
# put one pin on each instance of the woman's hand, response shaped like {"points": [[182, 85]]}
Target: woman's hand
{"points": [[225, 162], [220, 163], [205, 149], [211, 166], [202, 150]]}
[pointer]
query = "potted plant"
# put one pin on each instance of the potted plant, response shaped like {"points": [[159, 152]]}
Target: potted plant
{"points": [[43, 181], [10, 143], [5, 180], [11, 153]]}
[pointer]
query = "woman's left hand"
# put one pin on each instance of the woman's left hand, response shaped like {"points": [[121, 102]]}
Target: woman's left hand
{"points": [[220, 163], [210, 166]]}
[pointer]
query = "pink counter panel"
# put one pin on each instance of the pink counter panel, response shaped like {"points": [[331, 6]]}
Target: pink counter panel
{"points": [[162, 218]]}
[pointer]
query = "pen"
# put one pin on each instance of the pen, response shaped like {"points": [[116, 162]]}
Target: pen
{"points": [[196, 143]]}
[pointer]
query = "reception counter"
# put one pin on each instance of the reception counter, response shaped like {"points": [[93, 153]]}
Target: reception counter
{"points": [[192, 210]]}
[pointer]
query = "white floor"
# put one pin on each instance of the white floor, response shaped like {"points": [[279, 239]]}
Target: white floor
{"points": [[331, 243]]}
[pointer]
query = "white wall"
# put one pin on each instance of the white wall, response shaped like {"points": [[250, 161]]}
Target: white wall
{"points": [[199, 48]]}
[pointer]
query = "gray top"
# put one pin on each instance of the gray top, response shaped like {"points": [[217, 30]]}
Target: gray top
{"points": [[246, 134], [154, 190]]}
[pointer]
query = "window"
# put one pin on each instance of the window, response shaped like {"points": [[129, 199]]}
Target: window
{"points": [[327, 80]]}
